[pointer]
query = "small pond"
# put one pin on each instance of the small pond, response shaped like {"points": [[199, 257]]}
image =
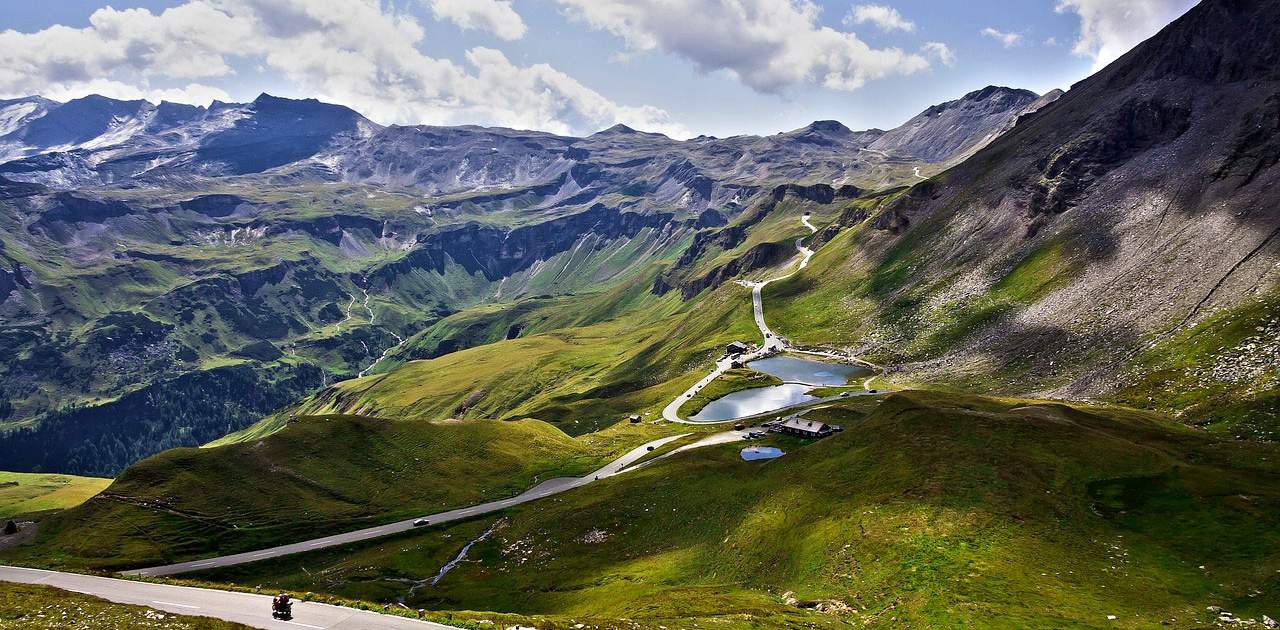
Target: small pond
{"points": [[800, 376], [807, 371], [750, 402], [752, 453]]}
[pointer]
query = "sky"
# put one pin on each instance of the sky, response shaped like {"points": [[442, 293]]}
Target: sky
{"points": [[680, 67]]}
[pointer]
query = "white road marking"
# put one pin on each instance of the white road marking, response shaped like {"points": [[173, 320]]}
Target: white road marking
{"points": [[259, 555], [156, 601], [304, 625]]}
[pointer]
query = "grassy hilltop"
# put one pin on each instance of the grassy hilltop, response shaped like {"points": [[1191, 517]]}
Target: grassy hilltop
{"points": [[320, 475], [25, 493]]}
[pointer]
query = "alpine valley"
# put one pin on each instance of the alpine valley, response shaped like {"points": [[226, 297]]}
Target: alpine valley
{"points": [[173, 273]]}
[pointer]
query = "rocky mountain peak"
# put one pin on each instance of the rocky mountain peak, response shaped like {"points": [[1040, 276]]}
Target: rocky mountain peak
{"points": [[82, 119], [997, 91], [17, 112], [829, 127], [1217, 42], [618, 129], [34, 98], [955, 129], [989, 98]]}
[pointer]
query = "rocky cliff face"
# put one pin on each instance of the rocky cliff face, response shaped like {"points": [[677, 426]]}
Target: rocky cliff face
{"points": [[97, 140], [685, 273], [1143, 203], [495, 253], [953, 130]]}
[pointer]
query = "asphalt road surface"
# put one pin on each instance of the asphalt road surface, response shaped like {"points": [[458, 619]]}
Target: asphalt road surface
{"points": [[544, 489], [246, 608]]}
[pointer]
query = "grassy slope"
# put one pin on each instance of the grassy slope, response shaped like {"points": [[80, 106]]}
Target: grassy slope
{"points": [[834, 299], [34, 607], [489, 323], [781, 226], [935, 510], [887, 302], [580, 379], [24, 493], [847, 292], [1222, 374], [88, 288], [318, 476]]}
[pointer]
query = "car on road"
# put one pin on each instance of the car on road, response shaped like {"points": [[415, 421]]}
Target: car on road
{"points": [[755, 434], [844, 394], [420, 522]]}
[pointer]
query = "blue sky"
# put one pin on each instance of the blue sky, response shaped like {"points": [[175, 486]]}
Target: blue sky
{"points": [[684, 67]]}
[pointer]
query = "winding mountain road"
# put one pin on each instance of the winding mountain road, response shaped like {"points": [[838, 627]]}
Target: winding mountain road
{"points": [[771, 344], [245, 608], [542, 490], [255, 610]]}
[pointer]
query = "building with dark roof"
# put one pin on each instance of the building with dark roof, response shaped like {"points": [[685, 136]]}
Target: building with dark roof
{"points": [[796, 425]]}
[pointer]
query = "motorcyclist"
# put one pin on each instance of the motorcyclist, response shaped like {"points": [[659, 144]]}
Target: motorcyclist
{"points": [[281, 606]]}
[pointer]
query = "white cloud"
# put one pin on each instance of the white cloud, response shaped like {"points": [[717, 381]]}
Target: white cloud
{"points": [[940, 51], [1008, 40], [358, 53], [770, 45], [193, 93], [886, 18], [494, 16], [1109, 28], [120, 52], [530, 96]]}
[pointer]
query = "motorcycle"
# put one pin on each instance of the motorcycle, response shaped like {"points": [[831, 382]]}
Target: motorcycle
{"points": [[282, 608]]}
